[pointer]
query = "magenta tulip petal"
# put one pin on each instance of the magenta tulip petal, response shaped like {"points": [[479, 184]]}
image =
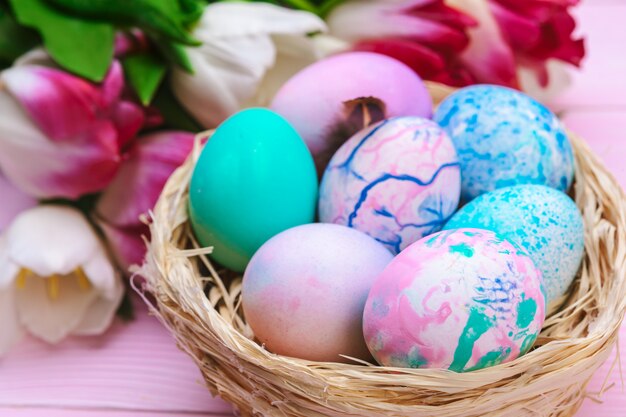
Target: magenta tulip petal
{"points": [[127, 244], [128, 119], [113, 84], [427, 35], [70, 131], [137, 186], [48, 169]]}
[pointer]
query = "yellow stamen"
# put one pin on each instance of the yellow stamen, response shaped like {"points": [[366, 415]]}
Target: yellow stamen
{"points": [[83, 281], [20, 281], [53, 287]]}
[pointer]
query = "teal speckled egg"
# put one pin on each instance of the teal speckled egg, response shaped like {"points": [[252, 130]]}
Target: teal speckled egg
{"points": [[254, 179], [543, 221]]}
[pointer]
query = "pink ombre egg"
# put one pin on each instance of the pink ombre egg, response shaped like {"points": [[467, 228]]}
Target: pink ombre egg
{"points": [[462, 300], [304, 291], [334, 98]]}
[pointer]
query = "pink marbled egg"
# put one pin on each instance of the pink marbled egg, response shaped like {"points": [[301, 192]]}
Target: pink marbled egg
{"points": [[462, 300], [304, 291], [331, 100], [397, 181]]}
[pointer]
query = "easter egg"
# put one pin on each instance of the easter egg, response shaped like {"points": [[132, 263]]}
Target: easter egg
{"points": [[336, 97], [461, 300], [544, 222], [397, 181], [254, 179], [503, 138], [304, 291]]}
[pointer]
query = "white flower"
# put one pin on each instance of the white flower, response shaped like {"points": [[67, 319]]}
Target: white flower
{"points": [[55, 277], [248, 51]]}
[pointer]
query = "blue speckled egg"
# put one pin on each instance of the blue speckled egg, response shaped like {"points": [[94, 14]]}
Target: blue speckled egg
{"points": [[543, 221], [503, 138]]}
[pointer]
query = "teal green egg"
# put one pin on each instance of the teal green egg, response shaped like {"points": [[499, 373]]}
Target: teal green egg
{"points": [[255, 178]]}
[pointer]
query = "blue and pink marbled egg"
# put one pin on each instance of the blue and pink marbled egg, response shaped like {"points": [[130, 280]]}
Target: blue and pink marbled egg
{"points": [[304, 291], [461, 300], [397, 181]]}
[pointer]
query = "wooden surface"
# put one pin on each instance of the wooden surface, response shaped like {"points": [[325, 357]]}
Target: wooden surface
{"points": [[137, 371]]}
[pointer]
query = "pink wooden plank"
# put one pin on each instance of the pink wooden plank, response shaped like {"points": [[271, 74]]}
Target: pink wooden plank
{"points": [[65, 412], [601, 79], [135, 366], [605, 131]]}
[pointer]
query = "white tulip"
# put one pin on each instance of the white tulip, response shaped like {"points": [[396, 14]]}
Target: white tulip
{"points": [[55, 277], [248, 51]]}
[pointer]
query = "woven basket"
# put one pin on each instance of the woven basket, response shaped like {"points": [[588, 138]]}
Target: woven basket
{"points": [[201, 306]]}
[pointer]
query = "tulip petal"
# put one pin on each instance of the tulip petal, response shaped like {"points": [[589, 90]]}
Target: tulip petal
{"points": [[488, 57], [10, 331], [294, 53], [63, 170], [8, 268], [235, 19], [128, 119], [14, 201], [52, 319], [126, 243], [51, 240], [141, 178], [62, 105], [227, 73], [101, 313], [100, 273], [430, 26], [237, 51]]}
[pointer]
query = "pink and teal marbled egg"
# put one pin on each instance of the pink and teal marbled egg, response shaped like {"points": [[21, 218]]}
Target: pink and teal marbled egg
{"points": [[462, 300], [397, 181]]}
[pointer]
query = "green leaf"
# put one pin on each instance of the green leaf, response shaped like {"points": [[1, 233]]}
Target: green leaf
{"points": [[175, 117], [174, 52], [15, 40], [80, 46], [145, 73], [162, 17]]}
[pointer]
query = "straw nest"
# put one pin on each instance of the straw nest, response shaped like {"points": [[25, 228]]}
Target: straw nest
{"points": [[201, 306]]}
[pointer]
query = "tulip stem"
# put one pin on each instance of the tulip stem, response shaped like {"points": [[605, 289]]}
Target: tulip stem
{"points": [[327, 6], [303, 5]]}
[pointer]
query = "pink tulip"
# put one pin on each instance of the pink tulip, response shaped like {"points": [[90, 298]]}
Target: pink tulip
{"points": [[427, 35], [61, 136], [538, 30], [135, 190], [461, 42], [14, 201], [519, 34]]}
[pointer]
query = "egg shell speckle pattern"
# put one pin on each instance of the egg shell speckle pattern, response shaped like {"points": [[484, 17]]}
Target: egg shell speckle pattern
{"points": [[397, 181], [459, 300], [544, 222], [503, 138], [305, 289]]}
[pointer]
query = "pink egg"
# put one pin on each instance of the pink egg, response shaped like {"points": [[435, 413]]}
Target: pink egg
{"points": [[462, 300], [397, 181], [334, 98], [304, 291]]}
